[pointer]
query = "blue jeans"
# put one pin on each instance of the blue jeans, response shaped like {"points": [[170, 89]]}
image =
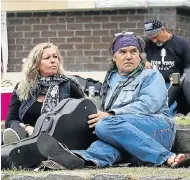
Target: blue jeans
{"points": [[147, 138]]}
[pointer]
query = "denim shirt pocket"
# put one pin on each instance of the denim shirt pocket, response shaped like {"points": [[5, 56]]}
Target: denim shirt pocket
{"points": [[164, 137], [128, 94]]}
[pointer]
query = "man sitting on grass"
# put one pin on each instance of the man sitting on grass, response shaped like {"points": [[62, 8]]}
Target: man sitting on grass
{"points": [[134, 118]]}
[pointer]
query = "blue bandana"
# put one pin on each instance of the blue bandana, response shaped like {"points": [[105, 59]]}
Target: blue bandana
{"points": [[125, 41]]}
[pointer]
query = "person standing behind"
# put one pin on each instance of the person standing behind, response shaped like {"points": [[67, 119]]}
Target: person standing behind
{"points": [[166, 51]]}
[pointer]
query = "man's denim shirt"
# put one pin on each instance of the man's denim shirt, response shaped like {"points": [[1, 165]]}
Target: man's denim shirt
{"points": [[144, 95]]}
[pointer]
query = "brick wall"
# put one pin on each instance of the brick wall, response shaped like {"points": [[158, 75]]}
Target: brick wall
{"points": [[83, 36], [183, 23]]}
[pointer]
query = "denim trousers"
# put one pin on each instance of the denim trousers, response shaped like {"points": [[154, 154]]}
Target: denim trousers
{"points": [[148, 138]]}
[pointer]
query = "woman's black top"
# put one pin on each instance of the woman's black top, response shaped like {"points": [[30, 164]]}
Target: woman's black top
{"points": [[34, 111]]}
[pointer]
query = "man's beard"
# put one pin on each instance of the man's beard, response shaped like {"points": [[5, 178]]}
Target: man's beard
{"points": [[159, 44]]}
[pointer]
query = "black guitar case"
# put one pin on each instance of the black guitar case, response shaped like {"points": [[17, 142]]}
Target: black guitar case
{"points": [[67, 123]]}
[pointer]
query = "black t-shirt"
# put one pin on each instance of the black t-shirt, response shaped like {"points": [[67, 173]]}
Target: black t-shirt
{"points": [[172, 57]]}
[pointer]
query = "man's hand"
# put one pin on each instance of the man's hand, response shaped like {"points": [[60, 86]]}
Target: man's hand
{"points": [[29, 130], [94, 118], [148, 65]]}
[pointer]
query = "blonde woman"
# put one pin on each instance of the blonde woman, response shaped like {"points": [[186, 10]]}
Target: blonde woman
{"points": [[42, 85]]}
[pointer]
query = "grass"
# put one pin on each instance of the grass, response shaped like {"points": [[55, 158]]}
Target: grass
{"points": [[182, 121], [133, 172]]}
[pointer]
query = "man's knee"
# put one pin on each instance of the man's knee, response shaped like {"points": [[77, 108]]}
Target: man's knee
{"points": [[103, 126]]}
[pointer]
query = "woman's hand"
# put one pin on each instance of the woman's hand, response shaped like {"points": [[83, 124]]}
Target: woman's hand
{"points": [[29, 130], [94, 118]]}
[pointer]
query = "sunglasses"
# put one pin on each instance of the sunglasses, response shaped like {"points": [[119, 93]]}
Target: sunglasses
{"points": [[123, 33]]}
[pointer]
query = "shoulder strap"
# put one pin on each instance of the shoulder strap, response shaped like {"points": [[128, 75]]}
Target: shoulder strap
{"points": [[60, 105]]}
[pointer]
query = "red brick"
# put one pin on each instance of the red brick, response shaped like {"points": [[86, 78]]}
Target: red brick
{"points": [[104, 66], [100, 46], [127, 25], [73, 67], [40, 27], [22, 54], [74, 26], [65, 33], [105, 53], [58, 27], [83, 60], [15, 21], [118, 18], [83, 46], [11, 41], [75, 13], [28, 47], [100, 33], [66, 20], [24, 28], [57, 40], [101, 19], [32, 21], [106, 39], [14, 67], [110, 25], [16, 47], [91, 53], [99, 59], [75, 53], [63, 53], [138, 31], [31, 34], [92, 67], [127, 11], [40, 40], [15, 35], [49, 20], [136, 18], [69, 60], [83, 19], [114, 31], [12, 54], [66, 46], [48, 34], [92, 26], [11, 28], [74, 40], [140, 24], [91, 39], [83, 33]]}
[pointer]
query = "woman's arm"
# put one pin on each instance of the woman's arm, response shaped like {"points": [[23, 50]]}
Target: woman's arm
{"points": [[76, 91], [13, 110]]}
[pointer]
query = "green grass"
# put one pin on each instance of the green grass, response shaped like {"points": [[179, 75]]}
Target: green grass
{"points": [[182, 121]]}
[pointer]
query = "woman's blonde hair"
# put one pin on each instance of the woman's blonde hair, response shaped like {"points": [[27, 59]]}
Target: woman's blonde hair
{"points": [[30, 74]]}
